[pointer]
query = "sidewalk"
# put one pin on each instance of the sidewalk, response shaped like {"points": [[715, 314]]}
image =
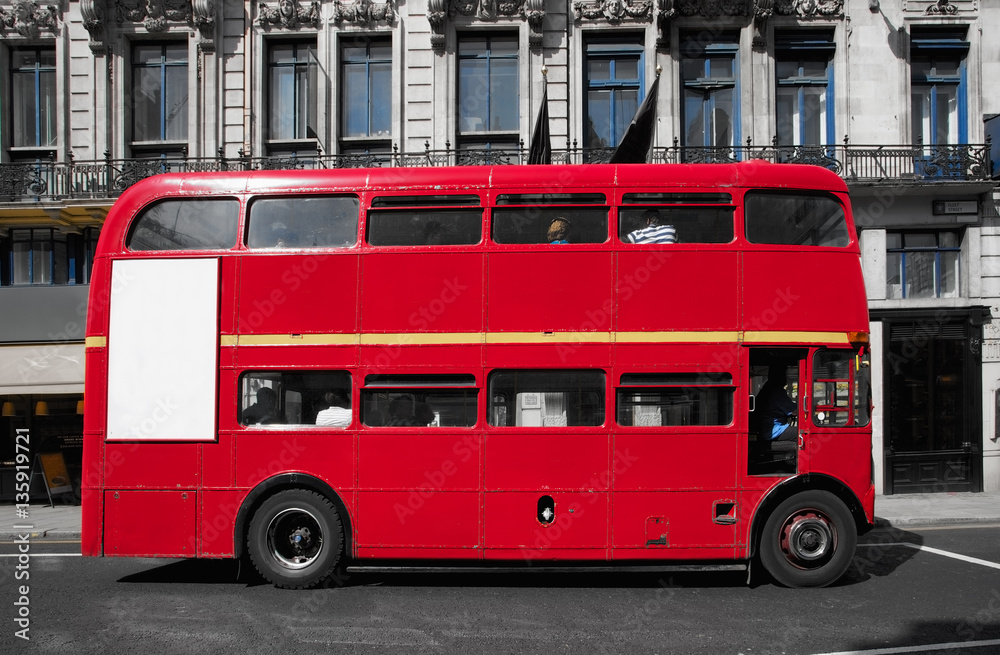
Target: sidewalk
{"points": [[63, 521]]}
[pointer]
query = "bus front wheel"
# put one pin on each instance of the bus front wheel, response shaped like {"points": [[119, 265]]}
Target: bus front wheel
{"points": [[295, 539], [808, 540]]}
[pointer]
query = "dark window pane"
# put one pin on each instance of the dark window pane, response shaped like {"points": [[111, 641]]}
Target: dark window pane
{"points": [[297, 222], [532, 224], [546, 398], [794, 219], [419, 407], [429, 227], [691, 224], [186, 225]]}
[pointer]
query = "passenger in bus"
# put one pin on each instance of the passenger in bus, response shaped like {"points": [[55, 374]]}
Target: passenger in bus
{"points": [[777, 410], [423, 414], [559, 230], [265, 410], [653, 232], [338, 412], [400, 412]]}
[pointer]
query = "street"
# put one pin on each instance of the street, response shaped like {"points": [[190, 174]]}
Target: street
{"points": [[907, 588]]}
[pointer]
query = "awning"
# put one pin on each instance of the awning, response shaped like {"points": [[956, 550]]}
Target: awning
{"points": [[42, 369]]}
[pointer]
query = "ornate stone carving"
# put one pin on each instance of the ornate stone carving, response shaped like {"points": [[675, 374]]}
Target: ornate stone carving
{"points": [[28, 19], [809, 8], [614, 11], [762, 10], [712, 8], [92, 12], [665, 11], [155, 15], [364, 12], [289, 14], [204, 20], [439, 11], [942, 8]]}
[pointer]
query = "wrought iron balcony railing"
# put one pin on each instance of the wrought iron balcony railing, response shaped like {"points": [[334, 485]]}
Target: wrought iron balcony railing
{"points": [[107, 178]]}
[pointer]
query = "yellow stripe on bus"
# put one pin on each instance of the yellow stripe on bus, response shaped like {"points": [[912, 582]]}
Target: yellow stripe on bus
{"points": [[421, 338], [95, 342], [510, 338], [779, 336], [548, 337], [677, 337]]}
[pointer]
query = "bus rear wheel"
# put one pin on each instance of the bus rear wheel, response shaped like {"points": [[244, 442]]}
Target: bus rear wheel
{"points": [[295, 539], [808, 540]]}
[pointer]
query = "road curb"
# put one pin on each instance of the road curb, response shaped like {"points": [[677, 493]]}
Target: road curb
{"points": [[33, 536], [909, 521]]}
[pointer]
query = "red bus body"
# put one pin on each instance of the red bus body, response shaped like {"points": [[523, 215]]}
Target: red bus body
{"points": [[617, 493]]}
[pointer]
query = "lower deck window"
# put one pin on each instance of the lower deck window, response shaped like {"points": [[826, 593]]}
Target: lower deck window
{"points": [[312, 398], [426, 401], [675, 400], [546, 398]]}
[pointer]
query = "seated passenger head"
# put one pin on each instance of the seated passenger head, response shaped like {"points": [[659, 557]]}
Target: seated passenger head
{"points": [[267, 396], [558, 229], [336, 399], [651, 217]]}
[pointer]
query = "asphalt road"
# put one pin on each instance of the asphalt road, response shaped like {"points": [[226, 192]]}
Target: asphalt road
{"points": [[906, 592]]}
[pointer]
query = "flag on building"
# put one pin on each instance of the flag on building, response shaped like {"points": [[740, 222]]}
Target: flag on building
{"points": [[540, 149], [638, 138]]}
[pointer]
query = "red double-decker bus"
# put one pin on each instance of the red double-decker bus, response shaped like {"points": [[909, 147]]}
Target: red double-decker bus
{"points": [[616, 364]]}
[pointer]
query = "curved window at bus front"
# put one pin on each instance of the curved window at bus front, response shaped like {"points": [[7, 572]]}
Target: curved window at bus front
{"points": [[797, 219], [186, 225], [546, 399], [303, 222], [842, 395], [550, 218]]}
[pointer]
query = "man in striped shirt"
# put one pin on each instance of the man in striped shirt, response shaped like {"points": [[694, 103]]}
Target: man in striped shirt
{"points": [[653, 232]]}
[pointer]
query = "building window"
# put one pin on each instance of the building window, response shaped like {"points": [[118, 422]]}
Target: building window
{"points": [[366, 95], [614, 88], [159, 97], [923, 264], [488, 116], [938, 86], [804, 95], [292, 93], [708, 75], [33, 97], [40, 256]]}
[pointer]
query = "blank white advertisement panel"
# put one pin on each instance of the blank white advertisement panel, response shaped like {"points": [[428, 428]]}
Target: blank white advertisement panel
{"points": [[163, 344]]}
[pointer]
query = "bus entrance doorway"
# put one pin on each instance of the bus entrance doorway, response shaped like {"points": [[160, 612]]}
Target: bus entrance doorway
{"points": [[775, 412]]}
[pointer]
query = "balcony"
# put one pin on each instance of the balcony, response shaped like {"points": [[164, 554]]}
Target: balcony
{"points": [[48, 181]]}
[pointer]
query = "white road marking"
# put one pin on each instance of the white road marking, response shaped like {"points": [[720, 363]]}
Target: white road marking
{"points": [[936, 551], [34, 555], [919, 649]]}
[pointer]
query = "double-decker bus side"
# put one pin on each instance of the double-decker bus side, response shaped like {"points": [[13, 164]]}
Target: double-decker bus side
{"points": [[310, 367]]}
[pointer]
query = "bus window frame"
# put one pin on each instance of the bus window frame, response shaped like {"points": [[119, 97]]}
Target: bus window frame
{"points": [[566, 208], [735, 203], [246, 215], [124, 249]]}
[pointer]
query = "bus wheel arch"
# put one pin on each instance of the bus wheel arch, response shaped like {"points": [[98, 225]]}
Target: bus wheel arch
{"points": [[805, 531], [277, 484]]}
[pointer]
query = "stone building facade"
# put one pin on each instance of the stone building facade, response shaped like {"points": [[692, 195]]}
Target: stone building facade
{"points": [[893, 95]]}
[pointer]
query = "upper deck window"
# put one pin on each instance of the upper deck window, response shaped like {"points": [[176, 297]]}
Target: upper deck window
{"points": [[295, 222], [651, 218], [425, 226], [186, 225], [558, 218], [795, 219]]}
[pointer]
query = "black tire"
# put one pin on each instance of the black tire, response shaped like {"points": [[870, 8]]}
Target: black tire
{"points": [[808, 540], [296, 539]]}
